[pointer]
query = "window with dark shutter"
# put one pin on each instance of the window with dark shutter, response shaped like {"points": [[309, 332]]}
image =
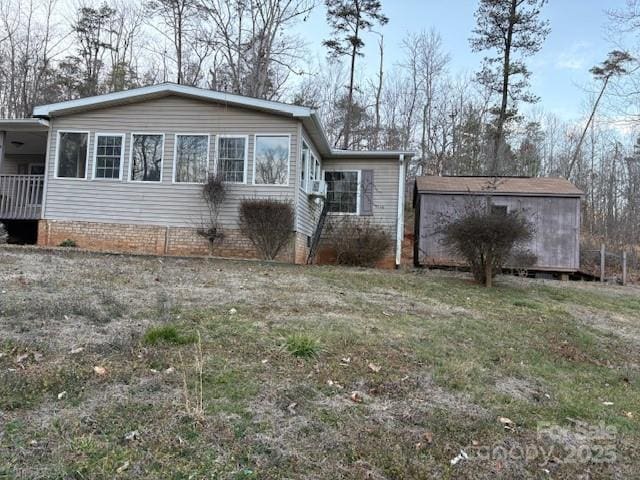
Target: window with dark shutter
{"points": [[366, 192]]}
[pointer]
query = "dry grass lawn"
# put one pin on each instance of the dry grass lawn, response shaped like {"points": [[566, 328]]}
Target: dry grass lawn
{"points": [[309, 373]]}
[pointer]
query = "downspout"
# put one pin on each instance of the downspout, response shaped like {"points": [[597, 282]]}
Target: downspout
{"points": [[400, 223], [47, 164], [3, 141]]}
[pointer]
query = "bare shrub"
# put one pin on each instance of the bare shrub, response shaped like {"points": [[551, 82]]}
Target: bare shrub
{"points": [[521, 260], [359, 242], [268, 223], [485, 238], [214, 193], [4, 235]]}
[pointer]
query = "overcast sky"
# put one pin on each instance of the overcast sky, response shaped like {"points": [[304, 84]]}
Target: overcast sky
{"points": [[560, 72]]}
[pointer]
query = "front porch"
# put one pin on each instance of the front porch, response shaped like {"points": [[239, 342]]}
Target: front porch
{"points": [[23, 146]]}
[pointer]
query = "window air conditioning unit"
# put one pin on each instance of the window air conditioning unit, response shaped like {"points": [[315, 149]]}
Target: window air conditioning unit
{"points": [[318, 188]]}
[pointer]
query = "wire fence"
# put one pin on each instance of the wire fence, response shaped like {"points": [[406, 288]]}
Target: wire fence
{"points": [[610, 264]]}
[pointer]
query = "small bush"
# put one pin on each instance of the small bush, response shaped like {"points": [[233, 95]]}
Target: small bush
{"points": [[4, 235], [167, 334], [302, 346], [214, 193], [68, 243], [359, 242], [268, 224], [485, 238]]}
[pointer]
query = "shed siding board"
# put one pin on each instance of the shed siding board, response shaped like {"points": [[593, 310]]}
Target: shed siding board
{"points": [[385, 187], [163, 203], [307, 209], [556, 221]]}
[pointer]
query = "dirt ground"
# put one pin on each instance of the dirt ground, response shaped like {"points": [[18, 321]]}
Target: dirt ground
{"points": [[141, 367]]}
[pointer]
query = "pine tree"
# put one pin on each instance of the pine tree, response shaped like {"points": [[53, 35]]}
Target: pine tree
{"points": [[513, 30], [348, 20]]}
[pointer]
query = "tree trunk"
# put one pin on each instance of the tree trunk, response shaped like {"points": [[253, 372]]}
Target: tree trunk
{"points": [[506, 67], [379, 94], [488, 272], [354, 54], [586, 127]]}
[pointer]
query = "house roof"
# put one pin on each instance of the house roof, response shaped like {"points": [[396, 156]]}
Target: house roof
{"points": [[308, 116], [523, 186], [24, 124]]}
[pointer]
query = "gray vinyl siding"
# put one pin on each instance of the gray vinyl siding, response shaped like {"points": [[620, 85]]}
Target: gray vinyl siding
{"points": [[163, 203], [11, 162], [556, 222], [307, 209], [385, 187]]}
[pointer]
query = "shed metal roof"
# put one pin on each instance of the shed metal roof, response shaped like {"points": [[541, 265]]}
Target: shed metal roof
{"points": [[524, 186]]}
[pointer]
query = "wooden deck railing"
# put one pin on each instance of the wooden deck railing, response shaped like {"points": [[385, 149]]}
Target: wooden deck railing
{"points": [[21, 196]]}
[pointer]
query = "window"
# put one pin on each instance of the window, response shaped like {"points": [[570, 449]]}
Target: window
{"points": [[146, 157], [499, 209], [108, 156], [304, 164], [271, 160], [316, 163], [232, 158], [342, 191], [191, 158], [72, 154]]}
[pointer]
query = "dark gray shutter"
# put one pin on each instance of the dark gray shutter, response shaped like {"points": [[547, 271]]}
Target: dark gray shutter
{"points": [[366, 192]]}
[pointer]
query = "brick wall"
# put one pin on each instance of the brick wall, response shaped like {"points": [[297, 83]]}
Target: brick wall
{"points": [[157, 240]]}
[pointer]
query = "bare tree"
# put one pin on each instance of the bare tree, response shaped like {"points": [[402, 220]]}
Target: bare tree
{"points": [[255, 54], [613, 66], [178, 17]]}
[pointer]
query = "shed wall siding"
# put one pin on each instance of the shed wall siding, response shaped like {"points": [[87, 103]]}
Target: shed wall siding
{"points": [[161, 203], [556, 221]]}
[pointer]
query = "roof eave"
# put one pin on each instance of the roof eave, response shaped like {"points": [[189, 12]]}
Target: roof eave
{"points": [[73, 106], [24, 124], [503, 194]]}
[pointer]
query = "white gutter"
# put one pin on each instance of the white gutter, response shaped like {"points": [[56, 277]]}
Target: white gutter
{"points": [[45, 183], [400, 222]]}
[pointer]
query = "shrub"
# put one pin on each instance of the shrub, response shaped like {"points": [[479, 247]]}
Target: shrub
{"points": [[68, 243], [485, 238], [521, 260], [268, 224], [214, 192], [302, 346], [358, 241], [4, 235], [167, 334]]}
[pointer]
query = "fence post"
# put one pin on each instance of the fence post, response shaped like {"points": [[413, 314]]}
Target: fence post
{"points": [[602, 254], [624, 268]]}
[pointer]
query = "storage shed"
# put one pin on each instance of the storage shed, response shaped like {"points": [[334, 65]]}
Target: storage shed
{"points": [[552, 205]]}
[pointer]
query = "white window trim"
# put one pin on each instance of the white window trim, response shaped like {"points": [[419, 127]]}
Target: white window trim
{"points": [[175, 157], [130, 166], [319, 173], [86, 160], [95, 156], [304, 167], [246, 156], [358, 192], [255, 151]]}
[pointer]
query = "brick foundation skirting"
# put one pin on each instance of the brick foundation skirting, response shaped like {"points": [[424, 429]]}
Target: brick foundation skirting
{"points": [[158, 240]]}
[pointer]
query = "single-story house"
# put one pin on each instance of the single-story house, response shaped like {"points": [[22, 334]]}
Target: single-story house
{"points": [[124, 171], [552, 206]]}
